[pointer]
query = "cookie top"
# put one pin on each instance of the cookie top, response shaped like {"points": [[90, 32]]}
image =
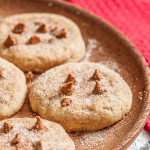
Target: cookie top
{"points": [[12, 89], [38, 41], [81, 96], [33, 134]]}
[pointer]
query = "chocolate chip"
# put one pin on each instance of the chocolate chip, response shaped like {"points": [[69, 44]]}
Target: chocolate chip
{"points": [[10, 41], [34, 40], [68, 88], [66, 102], [19, 28]]}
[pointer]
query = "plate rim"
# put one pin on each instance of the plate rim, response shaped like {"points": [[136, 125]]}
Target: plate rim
{"points": [[140, 122]]}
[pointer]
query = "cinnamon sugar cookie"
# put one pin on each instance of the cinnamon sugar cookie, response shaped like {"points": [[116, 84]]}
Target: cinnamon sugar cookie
{"points": [[12, 89], [38, 41], [33, 134], [81, 96]]}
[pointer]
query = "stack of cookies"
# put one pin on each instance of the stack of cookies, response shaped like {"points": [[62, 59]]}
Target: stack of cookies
{"points": [[68, 95]]}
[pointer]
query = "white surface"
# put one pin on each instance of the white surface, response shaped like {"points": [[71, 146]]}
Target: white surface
{"points": [[141, 142]]}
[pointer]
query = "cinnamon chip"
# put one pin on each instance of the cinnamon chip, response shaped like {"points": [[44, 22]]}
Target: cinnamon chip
{"points": [[42, 29], [10, 41], [7, 127], [19, 28], [96, 75], [53, 29], [39, 125], [70, 78], [68, 88], [39, 145], [34, 40], [29, 76], [17, 139], [98, 88], [61, 34], [66, 102]]}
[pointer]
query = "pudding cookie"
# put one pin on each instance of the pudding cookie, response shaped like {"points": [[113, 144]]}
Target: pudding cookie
{"points": [[33, 134], [39, 41], [81, 96], [12, 89]]}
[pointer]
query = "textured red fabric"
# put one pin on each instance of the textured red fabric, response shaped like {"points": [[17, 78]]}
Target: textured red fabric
{"points": [[132, 17]]}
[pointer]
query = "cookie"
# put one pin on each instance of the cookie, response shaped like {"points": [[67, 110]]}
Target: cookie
{"points": [[81, 96], [12, 89], [33, 134], [39, 41]]}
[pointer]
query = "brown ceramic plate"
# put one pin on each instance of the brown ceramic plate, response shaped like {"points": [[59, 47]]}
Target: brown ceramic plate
{"points": [[114, 51]]}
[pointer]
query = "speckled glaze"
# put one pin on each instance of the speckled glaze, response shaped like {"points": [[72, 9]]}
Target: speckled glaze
{"points": [[112, 49]]}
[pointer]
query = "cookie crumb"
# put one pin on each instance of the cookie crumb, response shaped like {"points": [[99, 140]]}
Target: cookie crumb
{"points": [[7, 127], [34, 40], [19, 28], [17, 139], [29, 76], [42, 29], [96, 75], [66, 102], [71, 78], [68, 88], [98, 88], [61, 34], [10, 41], [39, 125]]}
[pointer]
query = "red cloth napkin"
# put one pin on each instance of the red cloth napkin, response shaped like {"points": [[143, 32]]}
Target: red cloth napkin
{"points": [[132, 17]]}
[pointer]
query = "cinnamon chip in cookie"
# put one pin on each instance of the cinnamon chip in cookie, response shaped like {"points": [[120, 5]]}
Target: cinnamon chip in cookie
{"points": [[39, 145], [96, 75], [66, 102], [34, 40], [17, 139], [39, 125], [19, 28], [7, 127], [61, 34], [42, 28], [70, 78], [68, 88], [10, 41], [98, 89]]}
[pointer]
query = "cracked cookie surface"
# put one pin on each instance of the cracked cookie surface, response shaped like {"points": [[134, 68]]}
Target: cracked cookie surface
{"points": [[12, 89], [81, 96], [33, 134], [39, 41]]}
